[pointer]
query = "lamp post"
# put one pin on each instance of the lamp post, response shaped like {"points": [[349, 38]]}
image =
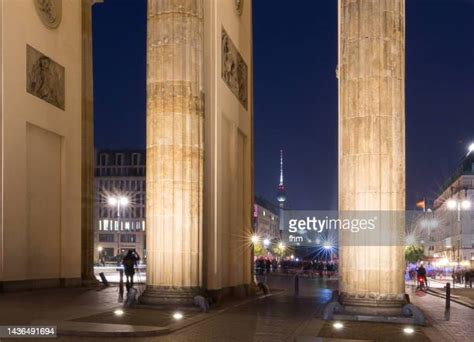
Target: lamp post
{"points": [[459, 205], [118, 202]]}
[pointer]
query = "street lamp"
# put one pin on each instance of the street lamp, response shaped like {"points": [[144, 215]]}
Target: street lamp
{"points": [[118, 201], [471, 147], [255, 239], [266, 242], [455, 204]]}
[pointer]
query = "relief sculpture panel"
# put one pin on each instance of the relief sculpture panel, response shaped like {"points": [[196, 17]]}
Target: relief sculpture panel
{"points": [[44, 78], [234, 70]]}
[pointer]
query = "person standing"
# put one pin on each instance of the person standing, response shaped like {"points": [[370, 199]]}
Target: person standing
{"points": [[129, 262]]}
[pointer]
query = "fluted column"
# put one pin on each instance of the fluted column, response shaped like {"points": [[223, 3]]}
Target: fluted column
{"points": [[372, 146], [87, 131], [174, 175]]}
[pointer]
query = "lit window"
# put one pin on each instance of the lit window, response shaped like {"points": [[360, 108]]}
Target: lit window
{"points": [[127, 225], [106, 224]]}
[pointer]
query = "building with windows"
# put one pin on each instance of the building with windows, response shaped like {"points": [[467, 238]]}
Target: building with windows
{"points": [[119, 210], [452, 237], [266, 221]]}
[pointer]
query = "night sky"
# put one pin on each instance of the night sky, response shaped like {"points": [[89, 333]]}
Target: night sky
{"points": [[295, 58]]}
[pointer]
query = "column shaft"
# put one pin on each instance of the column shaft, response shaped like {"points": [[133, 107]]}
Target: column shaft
{"points": [[174, 176], [87, 131], [372, 143]]}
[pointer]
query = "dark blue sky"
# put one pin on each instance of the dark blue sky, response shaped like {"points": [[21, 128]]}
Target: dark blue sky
{"points": [[295, 57]]}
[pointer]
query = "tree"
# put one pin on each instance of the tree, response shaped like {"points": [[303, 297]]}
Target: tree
{"points": [[258, 250], [414, 253]]}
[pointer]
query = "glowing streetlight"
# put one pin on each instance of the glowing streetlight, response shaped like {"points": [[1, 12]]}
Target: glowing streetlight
{"points": [[452, 204], [408, 330], [266, 242], [123, 201], [466, 204], [100, 249], [338, 325], [471, 147], [255, 239], [112, 201], [281, 245]]}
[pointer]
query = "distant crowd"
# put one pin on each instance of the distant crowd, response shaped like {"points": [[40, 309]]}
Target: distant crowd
{"points": [[308, 267]]}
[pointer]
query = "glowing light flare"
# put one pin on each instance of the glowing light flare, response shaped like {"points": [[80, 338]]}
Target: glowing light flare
{"points": [[408, 330], [466, 204], [452, 204], [178, 315], [123, 201], [471, 147], [118, 312], [338, 325]]}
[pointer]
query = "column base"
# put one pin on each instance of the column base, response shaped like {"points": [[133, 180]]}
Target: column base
{"points": [[165, 295], [372, 304]]}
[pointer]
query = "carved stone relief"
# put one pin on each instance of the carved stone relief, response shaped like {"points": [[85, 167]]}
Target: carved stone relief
{"points": [[234, 70], [49, 11], [44, 78], [238, 5]]}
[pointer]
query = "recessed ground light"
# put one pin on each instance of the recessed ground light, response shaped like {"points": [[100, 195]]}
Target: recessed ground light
{"points": [[338, 325], [408, 330], [118, 312], [178, 315]]}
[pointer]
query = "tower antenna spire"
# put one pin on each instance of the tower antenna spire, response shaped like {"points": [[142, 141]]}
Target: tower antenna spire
{"points": [[281, 169]]}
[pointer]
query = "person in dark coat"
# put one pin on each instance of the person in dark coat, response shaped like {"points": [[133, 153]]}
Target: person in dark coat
{"points": [[129, 262]]}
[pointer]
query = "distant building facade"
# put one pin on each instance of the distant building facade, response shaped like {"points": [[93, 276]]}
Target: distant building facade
{"points": [[119, 210], [453, 237], [266, 220]]}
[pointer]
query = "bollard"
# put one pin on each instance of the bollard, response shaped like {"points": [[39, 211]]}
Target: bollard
{"points": [[121, 285], [297, 284], [104, 279], [448, 296]]}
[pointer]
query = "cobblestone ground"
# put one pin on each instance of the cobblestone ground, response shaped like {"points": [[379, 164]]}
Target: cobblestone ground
{"points": [[458, 325], [285, 316]]}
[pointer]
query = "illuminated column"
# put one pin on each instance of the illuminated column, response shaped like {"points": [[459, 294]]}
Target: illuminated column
{"points": [[372, 146], [174, 174], [87, 130]]}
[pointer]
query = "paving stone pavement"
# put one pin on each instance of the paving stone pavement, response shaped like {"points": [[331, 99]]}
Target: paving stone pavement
{"points": [[459, 326], [280, 317]]}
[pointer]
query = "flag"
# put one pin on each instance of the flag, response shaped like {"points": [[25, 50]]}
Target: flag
{"points": [[421, 204]]}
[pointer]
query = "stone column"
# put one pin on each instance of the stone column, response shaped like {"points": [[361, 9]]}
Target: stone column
{"points": [[372, 147], [174, 174], [87, 207]]}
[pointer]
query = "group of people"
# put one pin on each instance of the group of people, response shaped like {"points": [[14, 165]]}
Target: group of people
{"points": [[457, 275], [322, 268]]}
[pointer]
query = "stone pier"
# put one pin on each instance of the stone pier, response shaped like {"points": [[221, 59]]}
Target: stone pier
{"points": [[175, 113], [371, 76]]}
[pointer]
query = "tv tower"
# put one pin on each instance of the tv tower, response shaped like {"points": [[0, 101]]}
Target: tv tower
{"points": [[281, 196]]}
